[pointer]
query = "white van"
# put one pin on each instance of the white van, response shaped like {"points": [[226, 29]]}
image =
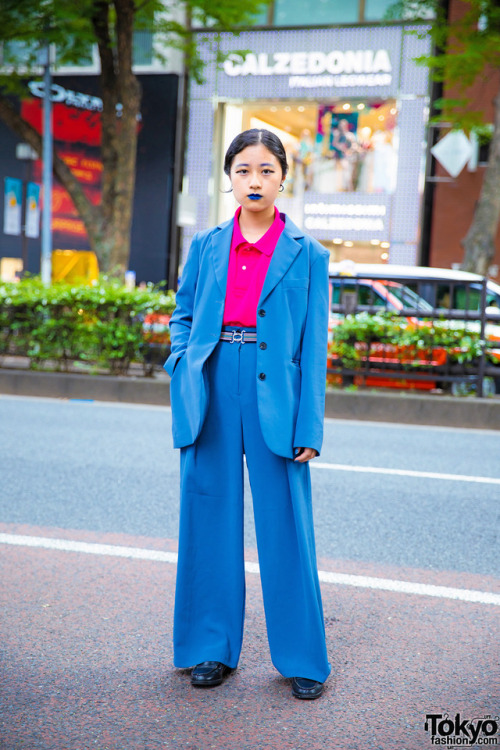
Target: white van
{"points": [[458, 290]]}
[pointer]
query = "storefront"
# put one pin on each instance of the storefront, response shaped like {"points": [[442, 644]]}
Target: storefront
{"points": [[351, 108]]}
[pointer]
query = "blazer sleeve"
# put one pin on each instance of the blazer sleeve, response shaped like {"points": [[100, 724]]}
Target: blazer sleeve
{"points": [[182, 317], [313, 360]]}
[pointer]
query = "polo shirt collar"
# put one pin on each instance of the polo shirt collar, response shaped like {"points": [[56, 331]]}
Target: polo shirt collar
{"points": [[267, 242]]}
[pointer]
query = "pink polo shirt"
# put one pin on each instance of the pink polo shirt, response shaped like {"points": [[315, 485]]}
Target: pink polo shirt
{"points": [[248, 264]]}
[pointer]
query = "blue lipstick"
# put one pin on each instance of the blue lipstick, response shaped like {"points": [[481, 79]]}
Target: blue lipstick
{"points": [[255, 197]]}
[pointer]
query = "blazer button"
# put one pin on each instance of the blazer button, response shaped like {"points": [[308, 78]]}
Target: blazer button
{"points": [[262, 345], [262, 313], [262, 375]]}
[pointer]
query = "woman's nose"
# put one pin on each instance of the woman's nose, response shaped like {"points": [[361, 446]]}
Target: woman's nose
{"points": [[255, 180]]}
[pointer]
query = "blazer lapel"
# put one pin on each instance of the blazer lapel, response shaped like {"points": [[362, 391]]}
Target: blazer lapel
{"points": [[284, 254], [221, 245]]}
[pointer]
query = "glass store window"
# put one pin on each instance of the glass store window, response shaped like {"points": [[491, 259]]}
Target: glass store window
{"points": [[376, 10], [343, 146], [335, 147], [143, 48], [306, 13], [300, 13]]}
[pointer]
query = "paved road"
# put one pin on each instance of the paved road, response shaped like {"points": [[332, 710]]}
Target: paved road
{"points": [[85, 636]]}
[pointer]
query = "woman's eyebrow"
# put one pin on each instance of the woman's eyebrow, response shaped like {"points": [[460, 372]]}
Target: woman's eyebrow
{"points": [[264, 164]]}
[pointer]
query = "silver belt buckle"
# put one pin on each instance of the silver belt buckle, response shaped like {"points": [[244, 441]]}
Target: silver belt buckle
{"points": [[238, 337]]}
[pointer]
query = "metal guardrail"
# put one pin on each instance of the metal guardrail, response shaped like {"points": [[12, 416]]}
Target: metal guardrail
{"points": [[422, 299]]}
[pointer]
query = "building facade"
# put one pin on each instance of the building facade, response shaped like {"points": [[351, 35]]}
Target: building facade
{"points": [[351, 108]]}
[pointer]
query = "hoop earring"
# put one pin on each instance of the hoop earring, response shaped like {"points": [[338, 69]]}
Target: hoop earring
{"points": [[282, 187]]}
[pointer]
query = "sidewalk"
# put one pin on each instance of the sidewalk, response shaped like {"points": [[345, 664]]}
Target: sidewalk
{"points": [[88, 661], [379, 406]]}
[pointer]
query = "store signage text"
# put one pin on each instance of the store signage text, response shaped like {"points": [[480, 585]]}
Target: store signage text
{"points": [[72, 98], [351, 217], [312, 69], [69, 97]]}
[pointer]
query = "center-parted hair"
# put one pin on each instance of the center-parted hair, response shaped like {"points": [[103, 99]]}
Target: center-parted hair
{"points": [[252, 138]]}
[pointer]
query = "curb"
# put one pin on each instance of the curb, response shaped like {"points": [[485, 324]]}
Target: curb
{"points": [[85, 387], [409, 408], [403, 408]]}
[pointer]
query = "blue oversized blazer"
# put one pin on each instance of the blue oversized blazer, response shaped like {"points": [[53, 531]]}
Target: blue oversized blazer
{"points": [[292, 319]]}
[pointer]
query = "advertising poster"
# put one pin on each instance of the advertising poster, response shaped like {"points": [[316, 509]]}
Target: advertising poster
{"points": [[12, 206], [32, 224], [77, 137]]}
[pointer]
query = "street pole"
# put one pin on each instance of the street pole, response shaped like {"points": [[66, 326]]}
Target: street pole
{"points": [[46, 260], [174, 254]]}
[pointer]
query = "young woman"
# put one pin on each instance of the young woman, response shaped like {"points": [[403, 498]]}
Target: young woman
{"points": [[248, 372]]}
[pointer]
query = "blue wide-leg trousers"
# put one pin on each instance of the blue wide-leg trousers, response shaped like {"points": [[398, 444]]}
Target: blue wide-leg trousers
{"points": [[210, 590]]}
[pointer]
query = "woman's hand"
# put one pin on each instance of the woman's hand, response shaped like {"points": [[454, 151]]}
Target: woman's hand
{"points": [[304, 454]]}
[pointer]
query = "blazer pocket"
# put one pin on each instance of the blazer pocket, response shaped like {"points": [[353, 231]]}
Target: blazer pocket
{"points": [[176, 364]]}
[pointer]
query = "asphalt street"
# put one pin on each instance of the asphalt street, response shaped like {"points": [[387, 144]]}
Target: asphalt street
{"points": [[86, 659], [80, 465]]}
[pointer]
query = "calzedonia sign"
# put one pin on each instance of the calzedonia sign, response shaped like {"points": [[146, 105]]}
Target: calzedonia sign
{"points": [[365, 67]]}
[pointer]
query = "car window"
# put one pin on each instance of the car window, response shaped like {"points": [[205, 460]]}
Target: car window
{"points": [[366, 295], [459, 296], [467, 298], [409, 298], [369, 296]]}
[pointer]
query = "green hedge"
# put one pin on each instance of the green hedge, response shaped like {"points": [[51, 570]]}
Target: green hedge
{"points": [[101, 327], [101, 324]]}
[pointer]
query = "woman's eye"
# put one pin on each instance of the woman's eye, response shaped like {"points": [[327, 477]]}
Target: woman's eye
{"points": [[268, 171]]}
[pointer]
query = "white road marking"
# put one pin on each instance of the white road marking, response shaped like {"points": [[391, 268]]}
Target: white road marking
{"points": [[382, 584], [406, 473], [89, 548], [411, 587]]}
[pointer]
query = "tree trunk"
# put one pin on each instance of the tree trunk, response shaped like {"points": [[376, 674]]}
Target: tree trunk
{"points": [[121, 98], [127, 125], [479, 244]]}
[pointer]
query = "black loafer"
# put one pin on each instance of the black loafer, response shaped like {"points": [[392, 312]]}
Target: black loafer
{"points": [[208, 674], [306, 689]]}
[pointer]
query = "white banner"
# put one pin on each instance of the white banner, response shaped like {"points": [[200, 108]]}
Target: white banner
{"points": [[13, 199]]}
